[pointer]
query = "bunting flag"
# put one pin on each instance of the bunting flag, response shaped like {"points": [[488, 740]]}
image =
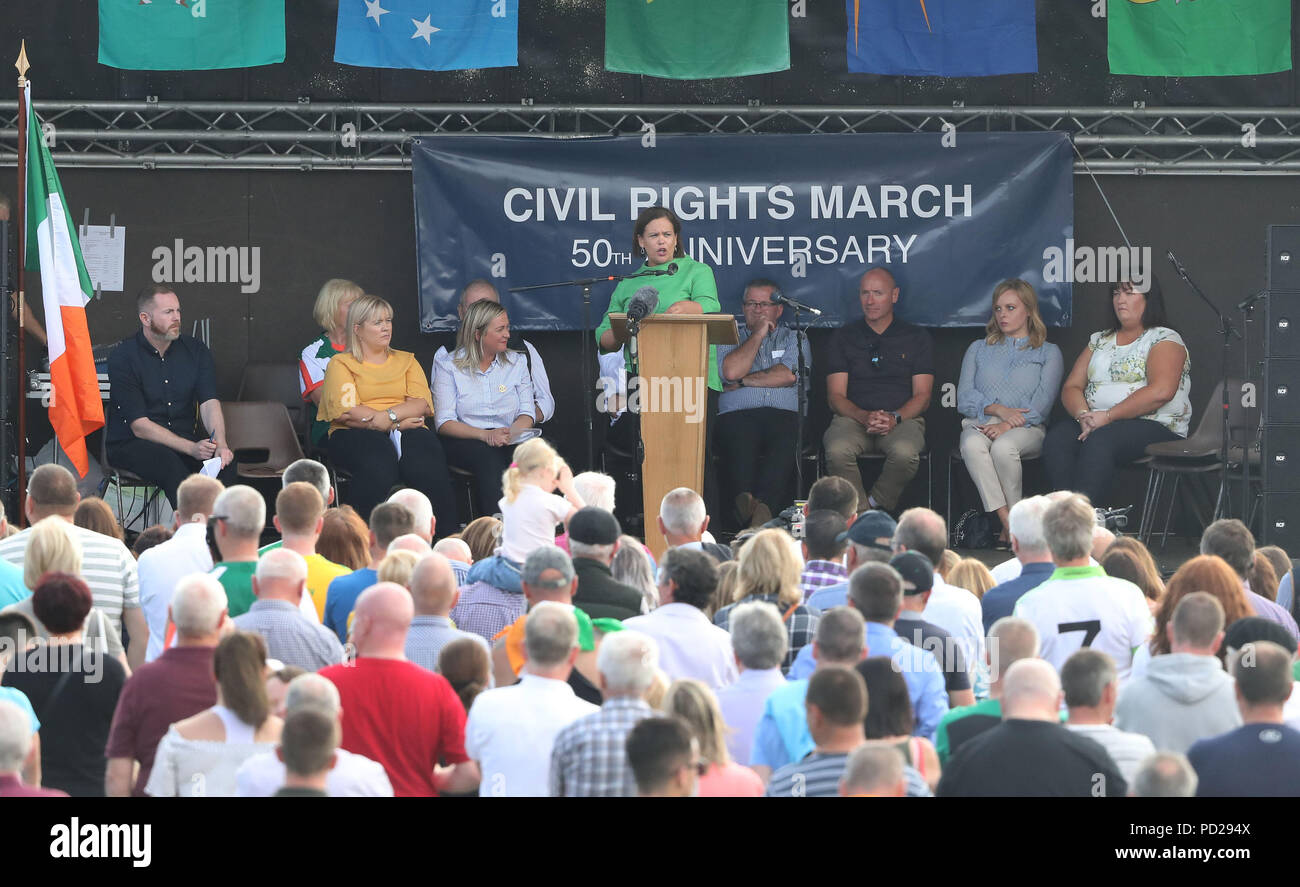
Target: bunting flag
{"points": [[190, 35], [697, 39], [1199, 38], [446, 35], [51, 248], [942, 38]]}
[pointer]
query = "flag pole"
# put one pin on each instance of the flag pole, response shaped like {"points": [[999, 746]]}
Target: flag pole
{"points": [[21, 199]]}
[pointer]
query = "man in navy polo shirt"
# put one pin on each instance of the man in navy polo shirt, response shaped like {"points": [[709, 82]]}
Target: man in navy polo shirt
{"points": [[158, 377], [880, 373]]}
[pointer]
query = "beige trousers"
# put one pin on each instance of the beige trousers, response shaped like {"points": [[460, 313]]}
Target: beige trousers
{"points": [[994, 465]]}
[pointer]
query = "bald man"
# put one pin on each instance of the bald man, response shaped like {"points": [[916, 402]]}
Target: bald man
{"points": [[433, 593], [279, 584], [880, 373], [477, 291], [1030, 754], [395, 712]]}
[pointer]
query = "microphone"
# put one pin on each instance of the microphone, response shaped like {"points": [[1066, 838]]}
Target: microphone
{"points": [[783, 299], [672, 268], [644, 302], [1178, 266], [659, 272]]}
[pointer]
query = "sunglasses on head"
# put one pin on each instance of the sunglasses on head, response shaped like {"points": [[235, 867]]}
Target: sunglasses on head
{"points": [[877, 359]]}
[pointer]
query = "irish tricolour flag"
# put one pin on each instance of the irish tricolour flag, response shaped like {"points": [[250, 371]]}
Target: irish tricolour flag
{"points": [[51, 248]]}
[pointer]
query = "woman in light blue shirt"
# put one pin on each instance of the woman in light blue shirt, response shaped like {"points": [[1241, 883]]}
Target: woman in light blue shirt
{"points": [[1009, 381], [482, 399]]}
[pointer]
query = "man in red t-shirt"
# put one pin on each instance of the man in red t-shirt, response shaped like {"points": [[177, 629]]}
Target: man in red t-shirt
{"points": [[396, 713]]}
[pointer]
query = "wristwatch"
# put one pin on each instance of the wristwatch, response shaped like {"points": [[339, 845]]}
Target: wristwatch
{"points": [[392, 416], [898, 420], [740, 382]]}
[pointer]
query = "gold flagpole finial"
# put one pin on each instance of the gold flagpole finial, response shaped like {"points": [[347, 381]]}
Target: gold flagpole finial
{"points": [[22, 64]]}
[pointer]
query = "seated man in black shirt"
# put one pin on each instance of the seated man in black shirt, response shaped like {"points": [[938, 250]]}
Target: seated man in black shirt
{"points": [[1030, 754], [880, 375], [157, 378]]}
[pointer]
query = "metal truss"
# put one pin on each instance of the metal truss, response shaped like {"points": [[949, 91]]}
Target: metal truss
{"points": [[307, 135]]}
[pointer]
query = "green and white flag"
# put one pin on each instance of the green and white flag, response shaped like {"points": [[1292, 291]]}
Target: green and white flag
{"points": [[50, 247], [697, 39], [1199, 38], [190, 35]]}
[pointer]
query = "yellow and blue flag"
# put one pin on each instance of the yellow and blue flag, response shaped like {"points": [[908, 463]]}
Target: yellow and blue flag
{"points": [[942, 38], [449, 35]]}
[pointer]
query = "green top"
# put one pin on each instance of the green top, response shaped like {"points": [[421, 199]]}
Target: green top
{"points": [[990, 707], [236, 577], [693, 280], [1076, 573]]}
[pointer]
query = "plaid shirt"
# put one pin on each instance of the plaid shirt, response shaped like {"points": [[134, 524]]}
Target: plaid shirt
{"points": [[290, 636], [589, 758], [427, 637], [819, 574], [485, 609], [800, 623]]}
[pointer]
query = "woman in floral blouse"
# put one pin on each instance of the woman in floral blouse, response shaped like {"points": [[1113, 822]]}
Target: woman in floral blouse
{"points": [[1128, 389]]}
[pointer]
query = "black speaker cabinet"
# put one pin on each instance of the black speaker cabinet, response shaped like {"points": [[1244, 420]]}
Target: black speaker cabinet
{"points": [[1283, 257], [1282, 392], [1282, 520], [1283, 313], [1282, 458]]}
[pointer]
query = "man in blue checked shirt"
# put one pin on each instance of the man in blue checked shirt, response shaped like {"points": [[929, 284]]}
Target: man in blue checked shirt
{"points": [[876, 591], [758, 409]]}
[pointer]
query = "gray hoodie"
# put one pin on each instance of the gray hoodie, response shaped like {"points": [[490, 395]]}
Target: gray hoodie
{"points": [[1182, 697]]}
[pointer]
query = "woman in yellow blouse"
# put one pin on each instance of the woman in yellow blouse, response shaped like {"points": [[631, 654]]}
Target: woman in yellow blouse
{"points": [[376, 401]]}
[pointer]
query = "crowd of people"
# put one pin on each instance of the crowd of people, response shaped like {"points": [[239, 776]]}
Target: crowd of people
{"points": [[862, 660]]}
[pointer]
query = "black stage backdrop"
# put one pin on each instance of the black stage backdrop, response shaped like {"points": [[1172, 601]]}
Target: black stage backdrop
{"points": [[311, 226]]}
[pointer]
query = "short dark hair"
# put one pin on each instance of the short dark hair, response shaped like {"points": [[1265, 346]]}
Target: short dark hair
{"points": [[890, 711], [1231, 540], [62, 602], [1153, 313], [695, 574], [840, 694], [876, 591], [833, 493], [309, 739], [144, 299], [821, 532], [388, 520], [647, 216], [1263, 673], [1085, 676], [656, 749]]}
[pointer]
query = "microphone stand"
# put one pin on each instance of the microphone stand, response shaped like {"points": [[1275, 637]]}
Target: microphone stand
{"points": [[1227, 330], [1247, 309], [800, 373], [587, 384]]}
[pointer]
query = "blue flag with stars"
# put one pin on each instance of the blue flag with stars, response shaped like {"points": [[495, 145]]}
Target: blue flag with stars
{"points": [[429, 35]]}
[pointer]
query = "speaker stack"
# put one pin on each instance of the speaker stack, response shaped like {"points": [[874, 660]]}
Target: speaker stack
{"points": [[1281, 396]]}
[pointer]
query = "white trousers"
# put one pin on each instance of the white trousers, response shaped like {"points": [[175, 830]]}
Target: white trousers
{"points": [[994, 465]]}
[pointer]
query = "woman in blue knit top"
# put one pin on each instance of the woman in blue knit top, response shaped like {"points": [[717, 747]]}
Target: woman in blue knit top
{"points": [[1009, 380]]}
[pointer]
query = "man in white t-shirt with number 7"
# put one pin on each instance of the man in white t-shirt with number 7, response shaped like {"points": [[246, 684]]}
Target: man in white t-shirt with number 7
{"points": [[1079, 605]]}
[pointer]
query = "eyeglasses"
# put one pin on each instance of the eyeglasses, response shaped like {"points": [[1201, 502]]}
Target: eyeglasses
{"points": [[753, 304], [877, 359]]}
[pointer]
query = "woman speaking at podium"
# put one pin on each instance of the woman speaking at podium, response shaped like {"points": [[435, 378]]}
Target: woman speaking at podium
{"points": [[691, 289]]}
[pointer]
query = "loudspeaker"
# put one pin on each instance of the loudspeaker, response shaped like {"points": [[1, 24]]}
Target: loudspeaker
{"points": [[1281, 391], [1281, 458], [1283, 314], [1282, 520], [1283, 257]]}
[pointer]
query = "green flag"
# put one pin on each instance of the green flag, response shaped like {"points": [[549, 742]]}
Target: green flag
{"points": [[696, 39], [190, 35], [1199, 38]]}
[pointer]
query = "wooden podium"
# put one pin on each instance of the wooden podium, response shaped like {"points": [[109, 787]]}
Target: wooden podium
{"points": [[672, 397]]}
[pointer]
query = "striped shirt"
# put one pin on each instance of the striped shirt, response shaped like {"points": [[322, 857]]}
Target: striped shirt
{"points": [[106, 566], [816, 776], [492, 399], [427, 637]]}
